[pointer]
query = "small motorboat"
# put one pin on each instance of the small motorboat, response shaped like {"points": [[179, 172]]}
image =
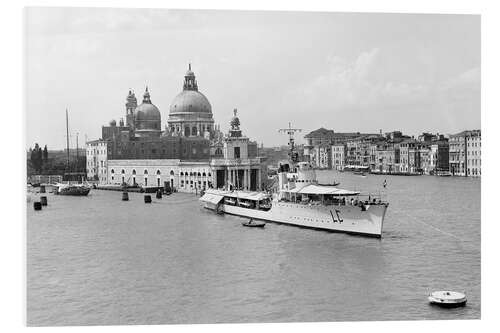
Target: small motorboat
{"points": [[447, 299], [253, 224], [74, 189]]}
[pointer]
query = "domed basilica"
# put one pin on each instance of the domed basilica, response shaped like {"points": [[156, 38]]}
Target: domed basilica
{"points": [[190, 114], [190, 154]]}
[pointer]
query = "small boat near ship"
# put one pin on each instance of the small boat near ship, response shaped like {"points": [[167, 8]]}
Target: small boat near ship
{"points": [[252, 224]]}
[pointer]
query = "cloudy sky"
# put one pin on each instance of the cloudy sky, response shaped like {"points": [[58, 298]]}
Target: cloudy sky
{"points": [[346, 72]]}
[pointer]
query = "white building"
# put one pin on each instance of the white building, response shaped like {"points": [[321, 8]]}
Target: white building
{"points": [[97, 159], [474, 154], [185, 176], [338, 156]]}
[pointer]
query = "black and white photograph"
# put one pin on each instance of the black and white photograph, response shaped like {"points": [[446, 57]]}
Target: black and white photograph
{"points": [[203, 166]]}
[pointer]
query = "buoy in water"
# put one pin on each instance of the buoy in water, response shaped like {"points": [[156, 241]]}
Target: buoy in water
{"points": [[37, 205], [43, 200], [447, 299], [125, 196], [147, 198], [158, 194]]}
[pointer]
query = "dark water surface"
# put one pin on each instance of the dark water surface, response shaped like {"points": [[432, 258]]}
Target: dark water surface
{"points": [[97, 260]]}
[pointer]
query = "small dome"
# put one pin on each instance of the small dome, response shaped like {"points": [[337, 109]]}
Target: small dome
{"points": [[112, 123], [147, 111]]}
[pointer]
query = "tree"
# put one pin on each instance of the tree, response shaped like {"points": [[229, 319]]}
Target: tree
{"points": [[36, 158], [45, 155]]}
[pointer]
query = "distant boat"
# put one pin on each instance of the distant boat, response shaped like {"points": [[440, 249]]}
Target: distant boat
{"points": [[360, 173], [253, 224], [72, 189]]}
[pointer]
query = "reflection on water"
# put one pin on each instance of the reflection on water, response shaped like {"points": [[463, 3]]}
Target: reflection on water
{"points": [[97, 260]]}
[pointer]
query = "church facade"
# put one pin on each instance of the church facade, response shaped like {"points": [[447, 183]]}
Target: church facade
{"points": [[190, 154]]}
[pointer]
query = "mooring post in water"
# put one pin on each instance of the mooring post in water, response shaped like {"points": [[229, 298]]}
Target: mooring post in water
{"points": [[147, 198], [37, 205], [125, 196], [43, 200]]}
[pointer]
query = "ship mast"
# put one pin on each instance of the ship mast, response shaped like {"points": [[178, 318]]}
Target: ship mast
{"points": [[67, 140], [76, 151], [290, 131]]}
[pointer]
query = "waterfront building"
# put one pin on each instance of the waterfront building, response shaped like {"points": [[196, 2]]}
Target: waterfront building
{"points": [[386, 158], [465, 153], [388, 154], [439, 156], [317, 148], [361, 150], [338, 156], [409, 156], [474, 154], [424, 153], [320, 157], [97, 159]]}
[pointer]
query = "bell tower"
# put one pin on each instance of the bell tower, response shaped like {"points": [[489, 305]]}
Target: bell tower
{"points": [[130, 109]]}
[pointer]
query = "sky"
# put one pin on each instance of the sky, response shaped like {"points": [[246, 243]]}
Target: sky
{"points": [[348, 72]]}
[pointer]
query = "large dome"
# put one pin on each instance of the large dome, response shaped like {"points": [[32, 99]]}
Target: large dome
{"points": [[191, 101]]}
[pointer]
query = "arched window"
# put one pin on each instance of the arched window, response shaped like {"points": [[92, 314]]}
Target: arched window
{"points": [[112, 171], [190, 174], [145, 171], [209, 174], [158, 172], [187, 132], [199, 174], [123, 171], [171, 172], [133, 172], [204, 174], [182, 173], [194, 131]]}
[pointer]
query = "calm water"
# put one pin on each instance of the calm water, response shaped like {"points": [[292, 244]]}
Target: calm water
{"points": [[99, 261]]}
